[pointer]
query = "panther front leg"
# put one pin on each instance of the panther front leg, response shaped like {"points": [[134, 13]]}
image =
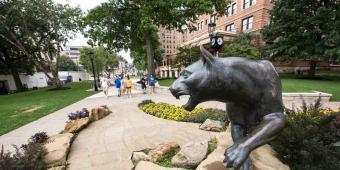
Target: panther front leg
{"points": [[266, 131], [238, 132]]}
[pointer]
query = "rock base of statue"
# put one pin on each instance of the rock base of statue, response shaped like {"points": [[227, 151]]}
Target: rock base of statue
{"points": [[263, 158]]}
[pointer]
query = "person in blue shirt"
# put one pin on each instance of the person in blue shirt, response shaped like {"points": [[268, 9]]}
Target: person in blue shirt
{"points": [[152, 83], [118, 84]]}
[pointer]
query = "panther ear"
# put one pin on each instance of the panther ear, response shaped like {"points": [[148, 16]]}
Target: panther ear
{"points": [[206, 56]]}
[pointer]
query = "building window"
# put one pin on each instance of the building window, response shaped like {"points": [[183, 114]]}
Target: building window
{"points": [[201, 25], [206, 22], [74, 49], [247, 23], [248, 3], [213, 19], [231, 10], [230, 27], [74, 53]]}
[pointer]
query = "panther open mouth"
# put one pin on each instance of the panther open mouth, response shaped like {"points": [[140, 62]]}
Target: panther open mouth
{"points": [[191, 103]]}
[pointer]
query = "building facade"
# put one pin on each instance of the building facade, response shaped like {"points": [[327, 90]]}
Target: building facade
{"points": [[170, 40], [73, 52], [240, 16]]}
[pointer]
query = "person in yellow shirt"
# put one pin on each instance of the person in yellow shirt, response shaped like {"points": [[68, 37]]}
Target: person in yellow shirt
{"points": [[128, 86]]}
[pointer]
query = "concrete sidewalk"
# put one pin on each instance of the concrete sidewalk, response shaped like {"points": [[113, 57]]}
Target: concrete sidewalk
{"points": [[55, 122]]}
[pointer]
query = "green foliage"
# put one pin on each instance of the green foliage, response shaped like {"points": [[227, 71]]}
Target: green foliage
{"points": [[305, 29], [242, 47], [66, 64], [212, 145], [307, 141], [165, 161], [186, 56], [103, 59], [213, 114], [241, 50], [30, 157], [37, 30]]}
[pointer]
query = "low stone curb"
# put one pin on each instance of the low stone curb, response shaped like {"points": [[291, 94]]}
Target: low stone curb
{"points": [[58, 146]]}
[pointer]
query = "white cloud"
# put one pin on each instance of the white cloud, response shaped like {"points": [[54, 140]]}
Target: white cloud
{"points": [[86, 5]]}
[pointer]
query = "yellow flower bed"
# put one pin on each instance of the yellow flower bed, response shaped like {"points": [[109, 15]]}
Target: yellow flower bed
{"points": [[328, 111], [167, 111]]}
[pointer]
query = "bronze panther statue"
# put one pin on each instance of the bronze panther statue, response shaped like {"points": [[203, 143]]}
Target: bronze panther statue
{"points": [[252, 91]]}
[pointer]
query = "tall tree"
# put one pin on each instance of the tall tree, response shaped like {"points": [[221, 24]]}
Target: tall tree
{"points": [[186, 56], [103, 60], [65, 63], [243, 46], [38, 29], [14, 62], [119, 23], [304, 29]]}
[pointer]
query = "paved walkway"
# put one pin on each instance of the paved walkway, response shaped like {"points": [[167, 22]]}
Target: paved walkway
{"points": [[109, 143]]}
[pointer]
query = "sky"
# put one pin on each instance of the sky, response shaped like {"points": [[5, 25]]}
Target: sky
{"points": [[86, 5]]}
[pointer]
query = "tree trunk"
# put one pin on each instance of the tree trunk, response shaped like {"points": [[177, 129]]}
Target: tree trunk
{"points": [[149, 53], [56, 82], [312, 68], [16, 78]]}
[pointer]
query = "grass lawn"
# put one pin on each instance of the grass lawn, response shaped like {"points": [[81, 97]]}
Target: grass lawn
{"points": [[330, 83], [166, 82], [19, 109]]}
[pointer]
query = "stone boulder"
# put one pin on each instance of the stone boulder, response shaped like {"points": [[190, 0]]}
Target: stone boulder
{"points": [[57, 168], [212, 125], [58, 147], [75, 126], [160, 150], [143, 165], [99, 113], [263, 158], [139, 156], [191, 154]]}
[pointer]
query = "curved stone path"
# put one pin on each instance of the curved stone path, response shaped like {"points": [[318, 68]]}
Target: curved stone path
{"points": [[109, 143]]}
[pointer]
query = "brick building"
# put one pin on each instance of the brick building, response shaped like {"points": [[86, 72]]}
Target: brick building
{"points": [[240, 16]]}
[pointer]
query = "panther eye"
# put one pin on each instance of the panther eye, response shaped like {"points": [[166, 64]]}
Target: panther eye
{"points": [[185, 73]]}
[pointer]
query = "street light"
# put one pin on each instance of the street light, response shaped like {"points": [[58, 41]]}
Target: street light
{"points": [[94, 73], [92, 57], [216, 41]]}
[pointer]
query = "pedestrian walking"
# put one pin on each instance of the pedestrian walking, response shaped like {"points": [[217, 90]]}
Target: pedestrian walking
{"points": [[142, 81], [105, 83], [152, 83], [128, 86], [123, 85], [118, 85]]}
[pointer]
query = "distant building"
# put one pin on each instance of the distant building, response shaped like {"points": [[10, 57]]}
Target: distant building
{"points": [[240, 16], [170, 40], [73, 52]]}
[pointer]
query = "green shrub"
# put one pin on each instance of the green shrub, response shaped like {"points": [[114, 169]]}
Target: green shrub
{"points": [[307, 142], [213, 114], [144, 102], [39, 137], [26, 158], [212, 145]]}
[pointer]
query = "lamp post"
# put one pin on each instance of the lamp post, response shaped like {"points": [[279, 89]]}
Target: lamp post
{"points": [[94, 73], [91, 54], [216, 41]]}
